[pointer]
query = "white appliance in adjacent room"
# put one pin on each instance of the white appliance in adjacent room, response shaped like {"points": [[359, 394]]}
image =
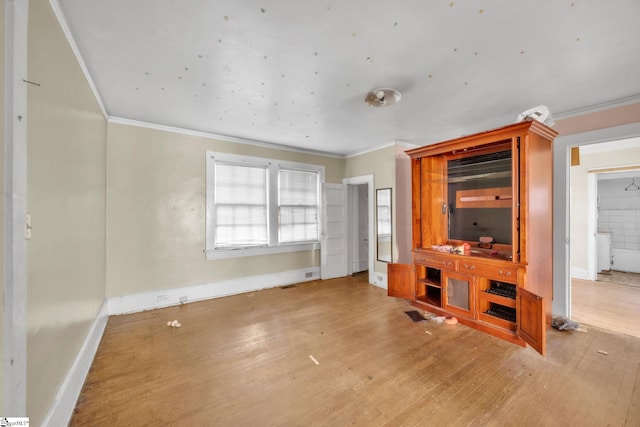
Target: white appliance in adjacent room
{"points": [[603, 243]]}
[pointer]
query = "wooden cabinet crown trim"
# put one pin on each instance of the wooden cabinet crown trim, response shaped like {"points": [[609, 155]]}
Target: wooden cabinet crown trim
{"points": [[490, 137]]}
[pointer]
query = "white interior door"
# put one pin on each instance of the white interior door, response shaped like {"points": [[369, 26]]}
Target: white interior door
{"points": [[333, 242]]}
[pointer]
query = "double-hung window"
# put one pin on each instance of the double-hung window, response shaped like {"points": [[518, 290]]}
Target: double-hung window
{"points": [[298, 209], [240, 209], [258, 206]]}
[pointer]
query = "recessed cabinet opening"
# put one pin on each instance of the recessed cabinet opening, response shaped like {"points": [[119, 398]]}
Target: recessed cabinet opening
{"points": [[434, 276], [506, 290], [502, 312], [429, 285], [433, 296], [480, 197], [497, 303]]}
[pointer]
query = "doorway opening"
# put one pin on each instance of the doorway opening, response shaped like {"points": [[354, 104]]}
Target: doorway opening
{"points": [[617, 227], [360, 225], [358, 197], [605, 236]]}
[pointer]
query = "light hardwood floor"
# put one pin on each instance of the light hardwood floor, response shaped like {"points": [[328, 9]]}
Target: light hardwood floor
{"points": [[245, 360], [611, 306]]}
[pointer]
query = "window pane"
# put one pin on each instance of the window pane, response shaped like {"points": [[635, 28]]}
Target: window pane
{"points": [[298, 206], [240, 205], [384, 220], [384, 213]]}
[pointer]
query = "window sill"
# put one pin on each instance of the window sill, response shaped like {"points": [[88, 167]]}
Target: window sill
{"points": [[264, 250]]}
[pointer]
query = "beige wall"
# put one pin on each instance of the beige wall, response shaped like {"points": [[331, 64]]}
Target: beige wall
{"points": [[579, 205], [66, 185], [402, 201], [611, 117], [382, 165], [156, 211], [379, 163]]}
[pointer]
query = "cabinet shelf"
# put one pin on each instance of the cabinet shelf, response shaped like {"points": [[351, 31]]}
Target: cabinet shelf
{"points": [[431, 295], [435, 301], [430, 283], [497, 299], [497, 321]]}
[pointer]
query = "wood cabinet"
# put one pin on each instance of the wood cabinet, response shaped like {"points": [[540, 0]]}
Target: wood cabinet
{"points": [[482, 232]]}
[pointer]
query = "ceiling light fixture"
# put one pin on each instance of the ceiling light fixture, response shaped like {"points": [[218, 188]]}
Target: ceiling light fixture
{"points": [[382, 97]]}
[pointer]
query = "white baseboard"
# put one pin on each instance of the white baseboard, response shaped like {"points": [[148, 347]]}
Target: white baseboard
{"points": [[380, 280], [168, 297], [579, 273], [64, 403]]}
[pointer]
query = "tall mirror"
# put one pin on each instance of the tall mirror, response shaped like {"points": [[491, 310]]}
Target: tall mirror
{"points": [[383, 229]]}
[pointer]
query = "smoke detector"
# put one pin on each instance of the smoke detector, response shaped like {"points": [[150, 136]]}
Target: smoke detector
{"points": [[382, 97]]}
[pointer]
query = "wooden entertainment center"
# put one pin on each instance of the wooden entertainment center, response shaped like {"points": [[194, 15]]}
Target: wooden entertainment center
{"points": [[482, 232]]}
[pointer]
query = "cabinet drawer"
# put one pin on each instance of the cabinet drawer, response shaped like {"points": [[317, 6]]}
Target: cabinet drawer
{"points": [[505, 274], [435, 261]]}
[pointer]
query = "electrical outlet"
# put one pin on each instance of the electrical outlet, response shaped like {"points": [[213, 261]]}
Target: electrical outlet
{"points": [[163, 299], [183, 300]]}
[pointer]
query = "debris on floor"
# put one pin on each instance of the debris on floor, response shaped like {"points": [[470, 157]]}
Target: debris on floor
{"points": [[603, 352], [415, 316], [564, 324], [174, 323]]}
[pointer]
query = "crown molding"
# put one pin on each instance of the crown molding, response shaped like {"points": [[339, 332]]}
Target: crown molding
{"points": [[407, 144], [620, 102], [220, 137], [380, 147]]}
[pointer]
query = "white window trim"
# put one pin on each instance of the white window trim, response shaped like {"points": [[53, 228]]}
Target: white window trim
{"points": [[273, 166]]}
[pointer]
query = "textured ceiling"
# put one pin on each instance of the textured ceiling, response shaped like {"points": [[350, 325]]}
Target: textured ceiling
{"points": [[295, 73]]}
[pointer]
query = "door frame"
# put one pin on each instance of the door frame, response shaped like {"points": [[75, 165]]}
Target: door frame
{"points": [[357, 180], [14, 343], [561, 205], [592, 225]]}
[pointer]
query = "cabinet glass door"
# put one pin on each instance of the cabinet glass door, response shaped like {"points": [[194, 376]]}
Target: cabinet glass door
{"points": [[459, 294]]}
